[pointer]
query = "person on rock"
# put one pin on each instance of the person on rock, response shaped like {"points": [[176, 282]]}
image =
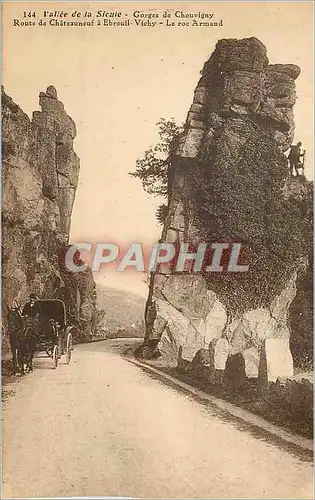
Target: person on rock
{"points": [[294, 158]]}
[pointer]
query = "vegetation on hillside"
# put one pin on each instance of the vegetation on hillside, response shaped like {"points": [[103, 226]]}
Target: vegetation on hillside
{"points": [[241, 199]]}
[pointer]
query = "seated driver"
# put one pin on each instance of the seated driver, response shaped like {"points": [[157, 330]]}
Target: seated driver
{"points": [[31, 308]]}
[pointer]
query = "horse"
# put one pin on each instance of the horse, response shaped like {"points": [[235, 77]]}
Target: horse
{"points": [[23, 338]]}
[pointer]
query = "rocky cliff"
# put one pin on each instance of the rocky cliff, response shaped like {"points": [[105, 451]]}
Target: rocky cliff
{"points": [[229, 182], [40, 177]]}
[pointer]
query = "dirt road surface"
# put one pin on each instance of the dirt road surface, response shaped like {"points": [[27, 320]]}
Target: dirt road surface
{"points": [[104, 427]]}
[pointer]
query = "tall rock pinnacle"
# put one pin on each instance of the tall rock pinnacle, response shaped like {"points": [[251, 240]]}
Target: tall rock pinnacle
{"points": [[40, 178], [226, 183]]}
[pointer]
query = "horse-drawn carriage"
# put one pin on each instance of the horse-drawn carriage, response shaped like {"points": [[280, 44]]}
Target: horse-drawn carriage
{"points": [[46, 335], [54, 337]]}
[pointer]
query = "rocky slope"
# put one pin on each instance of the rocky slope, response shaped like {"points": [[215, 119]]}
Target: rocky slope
{"points": [[228, 179], [40, 177]]}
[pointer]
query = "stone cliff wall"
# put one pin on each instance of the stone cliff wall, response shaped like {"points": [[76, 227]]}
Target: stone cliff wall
{"points": [[40, 177], [238, 96]]}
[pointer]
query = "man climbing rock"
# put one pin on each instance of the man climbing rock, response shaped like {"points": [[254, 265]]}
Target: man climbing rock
{"points": [[294, 158]]}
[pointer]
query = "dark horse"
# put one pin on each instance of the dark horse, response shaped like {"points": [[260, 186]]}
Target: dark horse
{"points": [[23, 338]]}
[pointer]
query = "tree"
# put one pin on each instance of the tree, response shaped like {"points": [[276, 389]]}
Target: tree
{"points": [[152, 168], [161, 213]]}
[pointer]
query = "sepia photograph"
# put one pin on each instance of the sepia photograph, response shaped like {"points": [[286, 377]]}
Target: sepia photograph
{"points": [[157, 249]]}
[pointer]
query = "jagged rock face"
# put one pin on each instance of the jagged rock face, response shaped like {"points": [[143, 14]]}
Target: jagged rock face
{"points": [[236, 82], [237, 92], [40, 177]]}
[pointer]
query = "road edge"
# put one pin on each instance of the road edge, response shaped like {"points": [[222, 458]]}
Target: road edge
{"points": [[235, 411]]}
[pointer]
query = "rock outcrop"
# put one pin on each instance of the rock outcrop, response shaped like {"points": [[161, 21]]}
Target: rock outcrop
{"points": [[239, 99], [40, 178]]}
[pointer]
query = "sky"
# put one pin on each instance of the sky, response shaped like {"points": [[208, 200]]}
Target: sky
{"points": [[116, 83]]}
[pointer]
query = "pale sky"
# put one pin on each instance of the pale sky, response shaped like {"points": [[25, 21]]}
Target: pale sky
{"points": [[116, 83]]}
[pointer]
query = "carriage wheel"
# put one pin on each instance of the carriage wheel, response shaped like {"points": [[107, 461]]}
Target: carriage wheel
{"points": [[69, 348], [55, 357]]}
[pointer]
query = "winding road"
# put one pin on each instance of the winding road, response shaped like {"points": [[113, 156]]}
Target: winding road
{"points": [[102, 426]]}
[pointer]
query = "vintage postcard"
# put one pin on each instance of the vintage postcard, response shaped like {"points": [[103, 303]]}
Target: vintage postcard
{"points": [[157, 249]]}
